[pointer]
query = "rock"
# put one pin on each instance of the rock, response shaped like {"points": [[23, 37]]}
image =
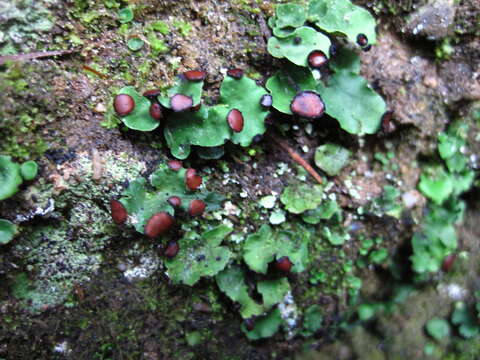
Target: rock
{"points": [[460, 80], [410, 83], [202, 307], [432, 20], [411, 198]]}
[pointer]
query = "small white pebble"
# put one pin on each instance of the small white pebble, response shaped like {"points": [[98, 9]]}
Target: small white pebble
{"points": [[453, 291], [309, 129], [410, 198], [61, 348]]}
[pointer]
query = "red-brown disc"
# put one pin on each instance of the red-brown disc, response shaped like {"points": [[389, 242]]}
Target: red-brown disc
{"points": [[249, 323], [123, 104], [283, 264], [367, 48], [196, 207], [195, 75], [235, 120], [235, 73], [175, 201], [317, 59], [192, 180], [362, 40], [172, 249], [118, 212], [180, 102], [307, 104], [196, 107], [448, 262], [387, 124], [175, 165], [158, 224], [155, 111], [152, 94]]}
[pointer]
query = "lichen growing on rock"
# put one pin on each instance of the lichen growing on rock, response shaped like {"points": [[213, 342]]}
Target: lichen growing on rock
{"points": [[22, 23], [68, 249], [128, 306]]}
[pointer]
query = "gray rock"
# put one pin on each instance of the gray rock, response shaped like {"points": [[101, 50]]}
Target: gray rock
{"points": [[432, 20]]}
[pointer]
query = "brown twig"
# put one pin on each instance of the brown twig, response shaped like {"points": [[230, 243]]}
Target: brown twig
{"points": [[295, 156], [34, 55], [92, 70]]}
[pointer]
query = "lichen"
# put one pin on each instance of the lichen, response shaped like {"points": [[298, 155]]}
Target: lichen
{"points": [[22, 24], [68, 249]]}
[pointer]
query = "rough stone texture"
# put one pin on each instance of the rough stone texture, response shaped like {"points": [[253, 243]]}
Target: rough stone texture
{"points": [[461, 80], [24, 23], [409, 82], [419, 91], [128, 308], [432, 20]]}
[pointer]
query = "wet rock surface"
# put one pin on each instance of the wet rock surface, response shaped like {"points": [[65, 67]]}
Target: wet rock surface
{"points": [[92, 290], [433, 20]]}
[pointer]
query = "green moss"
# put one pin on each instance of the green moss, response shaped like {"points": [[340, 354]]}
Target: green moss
{"points": [[26, 22], [160, 26], [110, 119], [250, 6], [183, 27], [157, 45], [444, 50], [20, 122], [130, 319], [327, 268], [194, 338], [464, 350], [109, 4]]}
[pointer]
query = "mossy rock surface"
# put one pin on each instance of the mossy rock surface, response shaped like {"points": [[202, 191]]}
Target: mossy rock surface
{"points": [[72, 281]]}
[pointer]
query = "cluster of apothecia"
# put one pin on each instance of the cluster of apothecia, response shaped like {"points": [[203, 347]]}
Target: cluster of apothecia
{"points": [[161, 222]]}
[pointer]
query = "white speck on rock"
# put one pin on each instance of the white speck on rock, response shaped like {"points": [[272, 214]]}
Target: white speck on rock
{"points": [[453, 291], [231, 209], [148, 265], [62, 348], [38, 211], [417, 29], [289, 313], [411, 198], [268, 202], [237, 238]]}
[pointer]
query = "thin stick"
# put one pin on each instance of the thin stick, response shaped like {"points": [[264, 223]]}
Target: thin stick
{"points": [[296, 157], [34, 55], [92, 70]]}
